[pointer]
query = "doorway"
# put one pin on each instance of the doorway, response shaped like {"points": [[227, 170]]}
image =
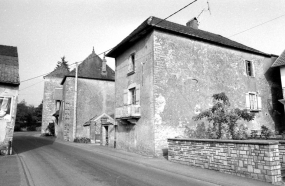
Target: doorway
{"points": [[106, 135]]}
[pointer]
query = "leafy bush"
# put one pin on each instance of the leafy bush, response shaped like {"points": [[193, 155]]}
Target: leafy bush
{"points": [[265, 132], [82, 140], [254, 134], [224, 119], [31, 128]]}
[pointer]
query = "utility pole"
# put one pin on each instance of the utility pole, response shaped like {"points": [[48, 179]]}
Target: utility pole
{"points": [[75, 102]]}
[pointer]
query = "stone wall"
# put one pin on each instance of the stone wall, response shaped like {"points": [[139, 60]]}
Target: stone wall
{"points": [[253, 159], [138, 137], [282, 154], [49, 106], [187, 72], [94, 97], [7, 123]]}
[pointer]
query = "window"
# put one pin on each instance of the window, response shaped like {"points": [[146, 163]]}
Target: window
{"points": [[253, 101], [5, 108], [57, 104], [132, 66], [249, 68], [132, 95]]}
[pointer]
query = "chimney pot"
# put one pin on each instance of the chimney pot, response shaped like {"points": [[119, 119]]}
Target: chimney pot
{"points": [[104, 71], [193, 23]]}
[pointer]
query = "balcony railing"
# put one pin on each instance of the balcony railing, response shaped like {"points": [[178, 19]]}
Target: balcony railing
{"points": [[128, 112]]}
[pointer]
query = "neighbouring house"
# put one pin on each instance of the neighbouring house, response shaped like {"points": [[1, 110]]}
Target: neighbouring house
{"points": [[278, 72], [52, 95], [9, 90], [166, 73], [89, 115]]}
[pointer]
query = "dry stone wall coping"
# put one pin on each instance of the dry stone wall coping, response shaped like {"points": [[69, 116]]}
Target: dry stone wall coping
{"points": [[253, 142]]}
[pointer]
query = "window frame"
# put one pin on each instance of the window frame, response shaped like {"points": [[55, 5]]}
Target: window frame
{"points": [[249, 68], [253, 102]]}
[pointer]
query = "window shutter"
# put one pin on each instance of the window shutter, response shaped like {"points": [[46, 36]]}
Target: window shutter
{"points": [[259, 104], [138, 94], [246, 68], [252, 69], [125, 96], [129, 64], [247, 102]]}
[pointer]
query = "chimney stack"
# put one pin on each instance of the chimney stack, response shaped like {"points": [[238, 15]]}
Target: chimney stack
{"points": [[104, 71], [193, 23]]}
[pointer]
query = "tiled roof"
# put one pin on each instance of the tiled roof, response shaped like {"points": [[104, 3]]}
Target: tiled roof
{"points": [[91, 68], [60, 72], [160, 24], [9, 66], [280, 61], [9, 74], [8, 51]]}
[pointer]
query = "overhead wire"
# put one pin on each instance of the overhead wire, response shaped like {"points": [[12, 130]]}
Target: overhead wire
{"points": [[113, 47], [257, 25]]}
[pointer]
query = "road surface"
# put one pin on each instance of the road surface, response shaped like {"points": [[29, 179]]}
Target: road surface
{"points": [[50, 163]]}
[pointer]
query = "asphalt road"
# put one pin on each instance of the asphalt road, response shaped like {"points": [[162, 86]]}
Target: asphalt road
{"points": [[50, 163]]}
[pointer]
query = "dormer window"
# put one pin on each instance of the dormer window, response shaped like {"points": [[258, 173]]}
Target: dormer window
{"points": [[249, 68], [131, 65]]}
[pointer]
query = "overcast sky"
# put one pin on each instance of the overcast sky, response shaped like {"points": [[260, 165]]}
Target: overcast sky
{"points": [[44, 31]]}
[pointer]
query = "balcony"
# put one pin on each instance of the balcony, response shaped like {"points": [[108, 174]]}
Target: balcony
{"points": [[128, 112]]}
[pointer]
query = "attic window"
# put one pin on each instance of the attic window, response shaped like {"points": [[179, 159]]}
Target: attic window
{"points": [[249, 68]]}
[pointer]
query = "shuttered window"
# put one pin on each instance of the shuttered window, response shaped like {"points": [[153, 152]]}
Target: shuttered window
{"points": [[253, 102], [132, 95]]}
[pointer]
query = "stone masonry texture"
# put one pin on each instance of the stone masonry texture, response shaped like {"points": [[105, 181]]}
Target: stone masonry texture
{"points": [[178, 76], [95, 97], [188, 72], [257, 160], [49, 106]]}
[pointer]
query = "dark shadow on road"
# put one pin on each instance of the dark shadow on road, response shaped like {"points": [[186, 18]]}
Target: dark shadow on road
{"points": [[27, 141]]}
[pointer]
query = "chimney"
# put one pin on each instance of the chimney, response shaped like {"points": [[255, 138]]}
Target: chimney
{"points": [[104, 71], [193, 23]]}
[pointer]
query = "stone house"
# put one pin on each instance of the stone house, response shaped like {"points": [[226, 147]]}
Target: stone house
{"points": [[94, 102], [166, 73], [52, 95], [278, 72], [9, 90]]}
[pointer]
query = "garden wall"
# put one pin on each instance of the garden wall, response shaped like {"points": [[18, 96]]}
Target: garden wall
{"points": [[247, 158]]}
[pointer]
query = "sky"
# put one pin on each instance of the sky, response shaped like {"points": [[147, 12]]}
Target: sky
{"points": [[44, 31]]}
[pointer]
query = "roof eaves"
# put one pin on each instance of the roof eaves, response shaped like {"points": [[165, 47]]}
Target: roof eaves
{"points": [[154, 23], [145, 26]]}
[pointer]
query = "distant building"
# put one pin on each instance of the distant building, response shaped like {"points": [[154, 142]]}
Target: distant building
{"points": [[94, 102], [9, 90], [52, 92], [166, 73]]}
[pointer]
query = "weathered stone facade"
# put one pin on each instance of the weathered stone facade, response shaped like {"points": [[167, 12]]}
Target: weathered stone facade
{"points": [[177, 75], [252, 159], [95, 97], [7, 124], [49, 104], [9, 91], [52, 81], [188, 72]]}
